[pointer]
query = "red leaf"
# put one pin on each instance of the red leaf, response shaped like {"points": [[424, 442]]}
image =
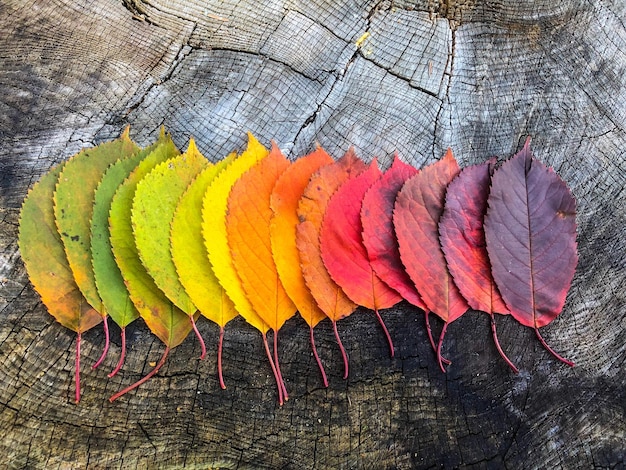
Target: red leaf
{"points": [[463, 241], [343, 252], [416, 217], [530, 229], [379, 237]]}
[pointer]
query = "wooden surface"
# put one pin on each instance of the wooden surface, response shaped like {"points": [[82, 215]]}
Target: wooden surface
{"points": [[478, 76]]}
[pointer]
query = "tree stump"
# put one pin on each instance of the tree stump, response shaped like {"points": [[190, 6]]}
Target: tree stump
{"points": [[383, 76]]}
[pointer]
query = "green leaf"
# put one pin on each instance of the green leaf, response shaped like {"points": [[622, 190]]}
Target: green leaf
{"points": [[109, 280], [73, 205]]}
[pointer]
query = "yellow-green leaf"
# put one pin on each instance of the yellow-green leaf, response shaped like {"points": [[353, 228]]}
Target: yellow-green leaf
{"points": [[192, 260], [189, 253], [109, 280], [167, 322], [153, 209]]}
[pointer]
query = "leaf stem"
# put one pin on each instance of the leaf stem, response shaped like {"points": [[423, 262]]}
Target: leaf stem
{"points": [[552, 351], [219, 358], [199, 336], [280, 374], [77, 369], [317, 358], [144, 379], [430, 337], [106, 342], [120, 363], [439, 357], [382, 323], [343, 351], [269, 358], [495, 340]]}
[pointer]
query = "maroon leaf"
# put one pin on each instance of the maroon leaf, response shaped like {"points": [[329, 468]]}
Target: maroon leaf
{"points": [[416, 217], [530, 229], [463, 241]]}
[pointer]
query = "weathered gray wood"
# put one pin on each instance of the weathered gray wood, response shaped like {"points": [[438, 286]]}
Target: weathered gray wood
{"points": [[476, 76]]}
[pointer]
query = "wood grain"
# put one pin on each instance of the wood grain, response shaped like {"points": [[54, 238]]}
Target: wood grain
{"points": [[476, 76]]}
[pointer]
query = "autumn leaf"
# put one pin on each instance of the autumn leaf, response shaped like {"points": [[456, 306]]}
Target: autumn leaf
{"points": [[73, 205], [329, 296], [416, 217], [165, 320], [48, 270], [379, 236], [109, 280], [154, 204], [284, 204], [530, 228], [463, 242], [343, 252], [248, 228], [214, 206], [191, 258]]}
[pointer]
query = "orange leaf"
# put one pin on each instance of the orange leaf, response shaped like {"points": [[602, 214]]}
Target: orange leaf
{"points": [[328, 295], [284, 203], [248, 227]]}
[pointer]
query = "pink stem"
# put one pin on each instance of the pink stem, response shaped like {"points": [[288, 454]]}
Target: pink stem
{"points": [[120, 363], [439, 357], [219, 358], [430, 338], [269, 358], [106, 342], [495, 339], [343, 351], [382, 323], [199, 336], [77, 370], [280, 374], [144, 379], [552, 351], [317, 358]]}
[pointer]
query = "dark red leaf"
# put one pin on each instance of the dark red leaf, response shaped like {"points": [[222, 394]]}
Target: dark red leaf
{"points": [[416, 217], [463, 241], [343, 252], [530, 229]]}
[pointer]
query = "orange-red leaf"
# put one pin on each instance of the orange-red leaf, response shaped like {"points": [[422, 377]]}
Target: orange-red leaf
{"points": [[328, 295], [284, 203], [379, 236]]}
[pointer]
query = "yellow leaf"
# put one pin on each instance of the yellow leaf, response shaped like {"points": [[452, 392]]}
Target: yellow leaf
{"points": [[214, 208]]}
